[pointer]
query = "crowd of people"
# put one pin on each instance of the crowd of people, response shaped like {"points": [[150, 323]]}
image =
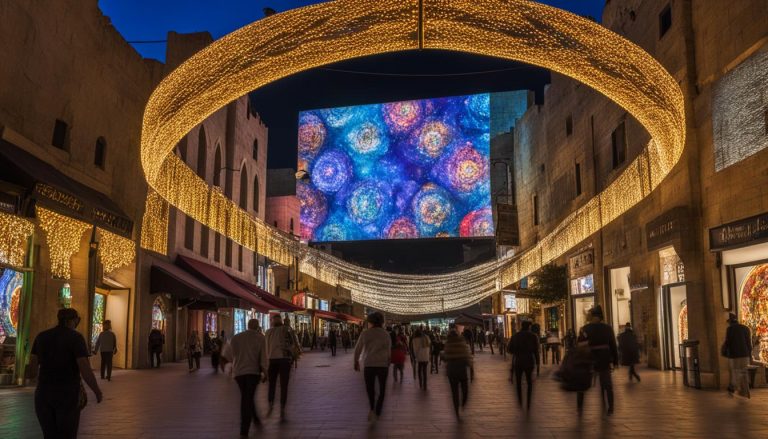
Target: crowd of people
{"points": [[257, 357]]}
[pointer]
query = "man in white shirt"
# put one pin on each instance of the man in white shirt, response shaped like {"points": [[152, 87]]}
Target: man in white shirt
{"points": [[106, 345], [375, 347], [248, 353]]}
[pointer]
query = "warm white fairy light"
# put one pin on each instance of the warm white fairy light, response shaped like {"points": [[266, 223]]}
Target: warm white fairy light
{"points": [[115, 251], [287, 43], [63, 236], [14, 232]]}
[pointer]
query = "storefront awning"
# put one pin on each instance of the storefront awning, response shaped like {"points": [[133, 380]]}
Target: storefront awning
{"points": [[50, 188], [278, 303], [336, 316], [168, 278], [222, 281]]}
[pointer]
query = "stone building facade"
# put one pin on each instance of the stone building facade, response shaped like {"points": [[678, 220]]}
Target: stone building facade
{"points": [[655, 266]]}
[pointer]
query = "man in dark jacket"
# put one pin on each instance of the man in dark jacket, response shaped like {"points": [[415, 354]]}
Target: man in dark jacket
{"points": [[524, 347], [737, 347], [602, 344], [630, 350]]}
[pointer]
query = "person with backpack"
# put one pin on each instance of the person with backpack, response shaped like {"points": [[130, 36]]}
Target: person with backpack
{"points": [[399, 352], [156, 342], [282, 348], [458, 361], [524, 347], [629, 349], [422, 350]]}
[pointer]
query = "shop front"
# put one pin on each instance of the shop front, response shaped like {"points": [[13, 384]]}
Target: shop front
{"points": [[744, 254], [581, 286]]}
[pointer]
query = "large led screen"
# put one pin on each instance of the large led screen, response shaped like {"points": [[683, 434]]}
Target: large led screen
{"points": [[401, 170]]}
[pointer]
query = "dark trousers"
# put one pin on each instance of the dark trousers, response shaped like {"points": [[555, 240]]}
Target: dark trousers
{"points": [[194, 358], [279, 367], [528, 371], [106, 365], [333, 350], [606, 390], [247, 384], [423, 374], [455, 382], [435, 365], [371, 374], [633, 373], [58, 414], [154, 359]]}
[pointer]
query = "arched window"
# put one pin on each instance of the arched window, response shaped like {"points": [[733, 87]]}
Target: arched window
{"points": [[202, 153], [217, 167], [256, 149], [244, 187], [256, 194], [100, 153]]}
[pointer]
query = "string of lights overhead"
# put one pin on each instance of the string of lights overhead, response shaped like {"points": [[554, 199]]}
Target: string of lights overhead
{"points": [[14, 232], [313, 36]]}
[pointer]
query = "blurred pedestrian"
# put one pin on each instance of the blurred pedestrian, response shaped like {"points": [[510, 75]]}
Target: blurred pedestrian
{"points": [[437, 348], [458, 362], [332, 341], [62, 357], [282, 348], [524, 347], [248, 353], [106, 345], [194, 351], [536, 329], [553, 345], [155, 343], [629, 350], [602, 345], [737, 347], [216, 345], [569, 341], [469, 337], [374, 346], [399, 352], [422, 350]]}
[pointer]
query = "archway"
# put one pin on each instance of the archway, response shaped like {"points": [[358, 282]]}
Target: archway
{"points": [[308, 37]]}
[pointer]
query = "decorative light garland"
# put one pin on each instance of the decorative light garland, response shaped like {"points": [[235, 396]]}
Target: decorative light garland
{"points": [[14, 231], [300, 39], [154, 225], [115, 251], [63, 236]]}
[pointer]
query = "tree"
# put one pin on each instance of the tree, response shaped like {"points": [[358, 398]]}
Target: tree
{"points": [[549, 284]]}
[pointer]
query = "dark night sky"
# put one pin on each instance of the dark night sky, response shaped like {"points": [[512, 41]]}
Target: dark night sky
{"points": [[407, 75]]}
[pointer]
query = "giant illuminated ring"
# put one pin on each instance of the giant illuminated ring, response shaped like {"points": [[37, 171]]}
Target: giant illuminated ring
{"points": [[308, 37]]}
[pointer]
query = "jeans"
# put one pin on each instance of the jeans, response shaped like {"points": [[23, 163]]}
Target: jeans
{"points": [[58, 413], [528, 371], [371, 374], [455, 382], [279, 367], [423, 374], [106, 365], [739, 376], [154, 359], [247, 385], [398, 368]]}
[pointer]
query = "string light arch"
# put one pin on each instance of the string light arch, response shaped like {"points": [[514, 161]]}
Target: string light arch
{"points": [[313, 36]]}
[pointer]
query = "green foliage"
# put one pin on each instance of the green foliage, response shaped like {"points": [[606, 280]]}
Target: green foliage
{"points": [[549, 284]]}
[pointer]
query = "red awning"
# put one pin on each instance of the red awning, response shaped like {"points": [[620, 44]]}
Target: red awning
{"points": [[337, 316], [276, 302], [223, 281]]}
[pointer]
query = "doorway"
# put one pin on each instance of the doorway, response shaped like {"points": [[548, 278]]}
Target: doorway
{"points": [[674, 323], [621, 313]]}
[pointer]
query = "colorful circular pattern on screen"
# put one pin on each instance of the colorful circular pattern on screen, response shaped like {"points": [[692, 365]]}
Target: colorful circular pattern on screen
{"points": [[314, 207], [402, 228], [402, 116], [433, 138], [466, 168], [477, 223], [367, 139], [433, 209], [338, 117], [754, 306], [312, 134], [10, 294], [480, 105], [332, 170], [367, 202]]}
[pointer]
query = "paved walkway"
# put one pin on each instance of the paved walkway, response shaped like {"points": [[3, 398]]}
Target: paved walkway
{"points": [[327, 399]]}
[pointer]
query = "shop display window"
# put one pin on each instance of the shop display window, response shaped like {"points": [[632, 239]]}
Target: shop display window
{"points": [[583, 285], [158, 315], [510, 302], [753, 306], [99, 305]]}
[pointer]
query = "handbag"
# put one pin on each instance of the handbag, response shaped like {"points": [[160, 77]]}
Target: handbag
{"points": [[82, 397]]}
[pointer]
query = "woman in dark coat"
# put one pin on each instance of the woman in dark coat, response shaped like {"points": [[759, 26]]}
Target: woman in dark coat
{"points": [[629, 350]]}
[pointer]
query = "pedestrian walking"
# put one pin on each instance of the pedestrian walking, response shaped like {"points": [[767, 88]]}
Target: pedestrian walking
{"points": [[737, 347], [524, 347], [569, 341], [62, 357], [553, 345], [248, 353], [422, 351], [155, 344], [282, 348], [412, 355], [491, 340], [629, 350], [437, 348], [576, 372], [602, 345], [458, 364], [536, 329], [469, 337], [216, 345], [374, 347], [106, 346], [332, 341], [194, 351], [481, 339], [399, 352]]}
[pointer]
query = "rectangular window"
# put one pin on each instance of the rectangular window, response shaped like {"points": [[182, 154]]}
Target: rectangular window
{"points": [[535, 210], [189, 233], [618, 145], [228, 253], [569, 125], [665, 21], [239, 258], [204, 241], [217, 248], [60, 135], [100, 152], [578, 179]]}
